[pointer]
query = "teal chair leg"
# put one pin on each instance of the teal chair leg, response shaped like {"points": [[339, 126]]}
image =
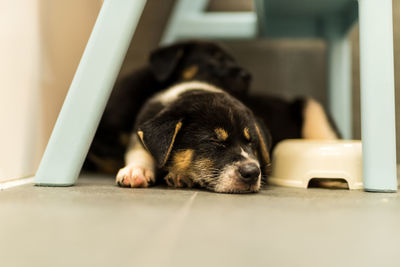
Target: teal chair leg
{"points": [[89, 92], [190, 19], [377, 95], [339, 76]]}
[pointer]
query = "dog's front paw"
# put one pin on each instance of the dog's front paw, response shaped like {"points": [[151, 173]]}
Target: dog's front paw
{"points": [[178, 180], [135, 176]]}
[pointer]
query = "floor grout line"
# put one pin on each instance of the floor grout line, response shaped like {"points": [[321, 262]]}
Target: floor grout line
{"points": [[165, 240]]}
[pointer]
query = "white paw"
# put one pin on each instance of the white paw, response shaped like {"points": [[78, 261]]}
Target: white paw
{"points": [[135, 176]]}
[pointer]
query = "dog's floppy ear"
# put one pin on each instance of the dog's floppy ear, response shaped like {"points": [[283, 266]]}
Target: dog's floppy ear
{"points": [[265, 142], [164, 61], [158, 136]]}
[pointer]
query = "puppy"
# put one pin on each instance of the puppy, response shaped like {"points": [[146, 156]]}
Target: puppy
{"points": [[170, 65], [186, 69], [197, 134]]}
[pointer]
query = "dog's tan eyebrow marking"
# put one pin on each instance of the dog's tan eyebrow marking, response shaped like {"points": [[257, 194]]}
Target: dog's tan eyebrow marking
{"points": [[221, 134], [189, 72], [246, 133]]}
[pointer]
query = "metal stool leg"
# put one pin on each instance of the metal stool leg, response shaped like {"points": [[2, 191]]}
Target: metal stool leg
{"points": [[377, 95], [89, 92]]}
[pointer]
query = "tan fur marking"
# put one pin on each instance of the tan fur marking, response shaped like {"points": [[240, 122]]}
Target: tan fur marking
{"points": [[190, 72], [183, 159], [246, 133], [177, 128], [316, 124], [140, 134], [178, 180], [264, 150], [221, 134], [179, 172]]}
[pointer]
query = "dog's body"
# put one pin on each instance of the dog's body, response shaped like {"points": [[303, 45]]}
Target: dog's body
{"points": [[198, 134], [195, 132]]}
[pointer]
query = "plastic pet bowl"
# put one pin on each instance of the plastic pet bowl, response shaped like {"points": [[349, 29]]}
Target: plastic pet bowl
{"points": [[296, 162]]}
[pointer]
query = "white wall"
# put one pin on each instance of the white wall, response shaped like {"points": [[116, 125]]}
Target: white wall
{"points": [[19, 88], [41, 42]]}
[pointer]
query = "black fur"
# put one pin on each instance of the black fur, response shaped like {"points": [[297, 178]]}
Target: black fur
{"points": [[200, 113], [284, 118], [165, 69]]}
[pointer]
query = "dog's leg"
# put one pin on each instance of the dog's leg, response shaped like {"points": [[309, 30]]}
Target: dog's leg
{"points": [[140, 166]]}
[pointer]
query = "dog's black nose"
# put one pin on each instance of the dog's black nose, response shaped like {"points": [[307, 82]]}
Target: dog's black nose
{"points": [[249, 172]]}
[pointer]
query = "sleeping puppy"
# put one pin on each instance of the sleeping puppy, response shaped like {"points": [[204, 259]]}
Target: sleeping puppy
{"points": [[169, 65], [197, 134], [186, 150]]}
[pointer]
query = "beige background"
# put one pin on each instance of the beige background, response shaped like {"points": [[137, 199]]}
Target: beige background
{"points": [[42, 41], [19, 84], [41, 44]]}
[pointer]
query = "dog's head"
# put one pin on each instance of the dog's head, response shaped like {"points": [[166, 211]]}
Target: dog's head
{"points": [[211, 139], [202, 61]]}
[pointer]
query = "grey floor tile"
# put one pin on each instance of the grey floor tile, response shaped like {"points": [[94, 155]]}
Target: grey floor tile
{"points": [[96, 223]]}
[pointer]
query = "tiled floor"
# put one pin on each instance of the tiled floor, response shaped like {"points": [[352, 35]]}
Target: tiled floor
{"points": [[98, 224]]}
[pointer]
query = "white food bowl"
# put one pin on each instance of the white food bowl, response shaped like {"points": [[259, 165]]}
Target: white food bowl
{"points": [[296, 162]]}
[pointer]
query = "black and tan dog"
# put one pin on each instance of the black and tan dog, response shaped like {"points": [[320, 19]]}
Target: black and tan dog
{"points": [[199, 135], [195, 132], [180, 62]]}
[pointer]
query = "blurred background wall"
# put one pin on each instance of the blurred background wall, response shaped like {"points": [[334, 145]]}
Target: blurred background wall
{"points": [[43, 40], [41, 44], [19, 87]]}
